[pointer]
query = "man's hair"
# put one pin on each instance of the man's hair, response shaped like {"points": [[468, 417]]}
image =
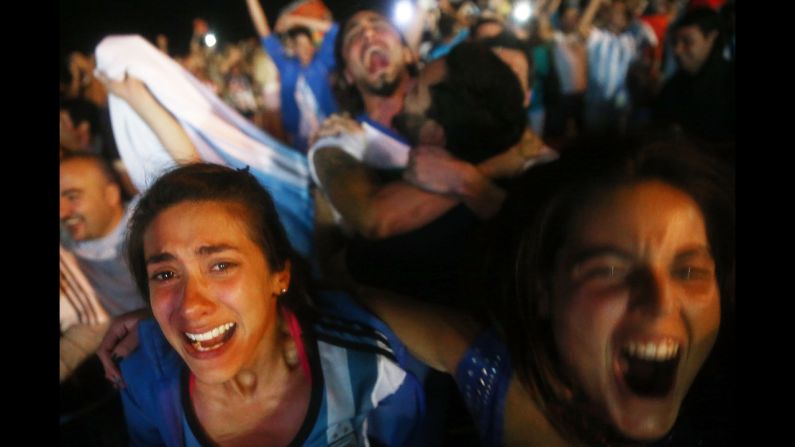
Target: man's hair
{"points": [[705, 18], [446, 24], [208, 182], [483, 21], [478, 103], [297, 30], [507, 39], [569, 4], [100, 162], [80, 110]]}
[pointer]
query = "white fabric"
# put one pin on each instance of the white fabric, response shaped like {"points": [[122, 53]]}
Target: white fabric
{"points": [[215, 128], [352, 143], [107, 247], [339, 395], [219, 133], [384, 151], [309, 112], [390, 377], [545, 155], [570, 62], [609, 58], [371, 146]]}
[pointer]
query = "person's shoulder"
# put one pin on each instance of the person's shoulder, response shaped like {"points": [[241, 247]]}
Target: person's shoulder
{"points": [[344, 323], [340, 312]]}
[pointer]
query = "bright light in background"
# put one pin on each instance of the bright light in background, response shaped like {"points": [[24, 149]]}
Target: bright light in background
{"points": [[404, 12], [522, 11], [209, 40]]}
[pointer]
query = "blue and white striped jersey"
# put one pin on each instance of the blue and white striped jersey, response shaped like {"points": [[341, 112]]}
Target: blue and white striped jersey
{"points": [[361, 393]]}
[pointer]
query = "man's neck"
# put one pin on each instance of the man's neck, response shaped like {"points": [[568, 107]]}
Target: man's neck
{"points": [[382, 109], [118, 215]]}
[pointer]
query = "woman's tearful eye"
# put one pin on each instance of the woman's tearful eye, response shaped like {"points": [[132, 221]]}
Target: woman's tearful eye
{"points": [[222, 266], [162, 276], [603, 270]]}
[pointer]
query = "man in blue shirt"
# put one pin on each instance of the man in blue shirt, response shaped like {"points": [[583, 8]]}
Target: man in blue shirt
{"points": [[306, 95]]}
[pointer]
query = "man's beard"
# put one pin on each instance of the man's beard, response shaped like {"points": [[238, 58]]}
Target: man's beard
{"points": [[384, 87]]}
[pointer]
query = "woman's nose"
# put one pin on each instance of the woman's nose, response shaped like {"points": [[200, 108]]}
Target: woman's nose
{"points": [[196, 301], [654, 292]]}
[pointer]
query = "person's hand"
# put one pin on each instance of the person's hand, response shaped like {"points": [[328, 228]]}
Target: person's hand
{"points": [[283, 23], [69, 134], [120, 340], [74, 68], [200, 27], [80, 62], [514, 160], [334, 125], [80, 68], [128, 89], [433, 169]]}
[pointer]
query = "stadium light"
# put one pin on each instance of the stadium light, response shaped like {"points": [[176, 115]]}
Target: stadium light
{"points": [[403, 12], [522, 11], [209, 40]]}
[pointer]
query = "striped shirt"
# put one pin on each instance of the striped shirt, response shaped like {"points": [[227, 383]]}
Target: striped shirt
{"points": [[361, 392], [570, 62], [79, 303], [609, 58]]}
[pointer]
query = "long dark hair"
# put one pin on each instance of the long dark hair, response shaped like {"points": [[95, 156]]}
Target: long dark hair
{"points": [[209, 182], [534, 225]]}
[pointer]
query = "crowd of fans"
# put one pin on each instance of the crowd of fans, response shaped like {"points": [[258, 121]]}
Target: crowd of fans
{"points": [[449, 172]]}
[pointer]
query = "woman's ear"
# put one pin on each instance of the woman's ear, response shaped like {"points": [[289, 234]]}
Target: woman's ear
{"points": [[282, 279]]}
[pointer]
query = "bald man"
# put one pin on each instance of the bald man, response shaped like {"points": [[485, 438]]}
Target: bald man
{"points": [[94, 218]]}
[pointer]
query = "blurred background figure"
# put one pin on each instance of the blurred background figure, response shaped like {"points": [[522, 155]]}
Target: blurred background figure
{"points": [[306, 96], [700, 97]]}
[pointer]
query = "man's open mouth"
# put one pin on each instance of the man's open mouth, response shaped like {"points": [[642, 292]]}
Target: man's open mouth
{"points": [[375, 60]]}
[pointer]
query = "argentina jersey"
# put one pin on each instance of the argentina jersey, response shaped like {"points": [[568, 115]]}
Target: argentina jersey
{"points": [[368, 396], [362, 393]]}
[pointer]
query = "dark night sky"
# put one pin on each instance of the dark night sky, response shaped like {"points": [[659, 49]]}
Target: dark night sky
{"points": [[83, 23]]}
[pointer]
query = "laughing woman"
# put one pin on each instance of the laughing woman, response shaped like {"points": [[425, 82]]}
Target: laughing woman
{"points": [[241, 352], [620, 276]]}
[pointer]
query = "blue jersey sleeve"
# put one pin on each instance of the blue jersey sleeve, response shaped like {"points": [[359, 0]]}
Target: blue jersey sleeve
{"points": [[482, 377], [273, 46], [325, 53]]}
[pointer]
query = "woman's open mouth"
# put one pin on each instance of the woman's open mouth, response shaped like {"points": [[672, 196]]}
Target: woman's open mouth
{"points": [[649, 369], [212, 339]]}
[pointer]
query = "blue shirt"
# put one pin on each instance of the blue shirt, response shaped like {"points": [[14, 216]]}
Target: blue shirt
{"points": [[360, 389], [316, 75], [483, 376]]}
